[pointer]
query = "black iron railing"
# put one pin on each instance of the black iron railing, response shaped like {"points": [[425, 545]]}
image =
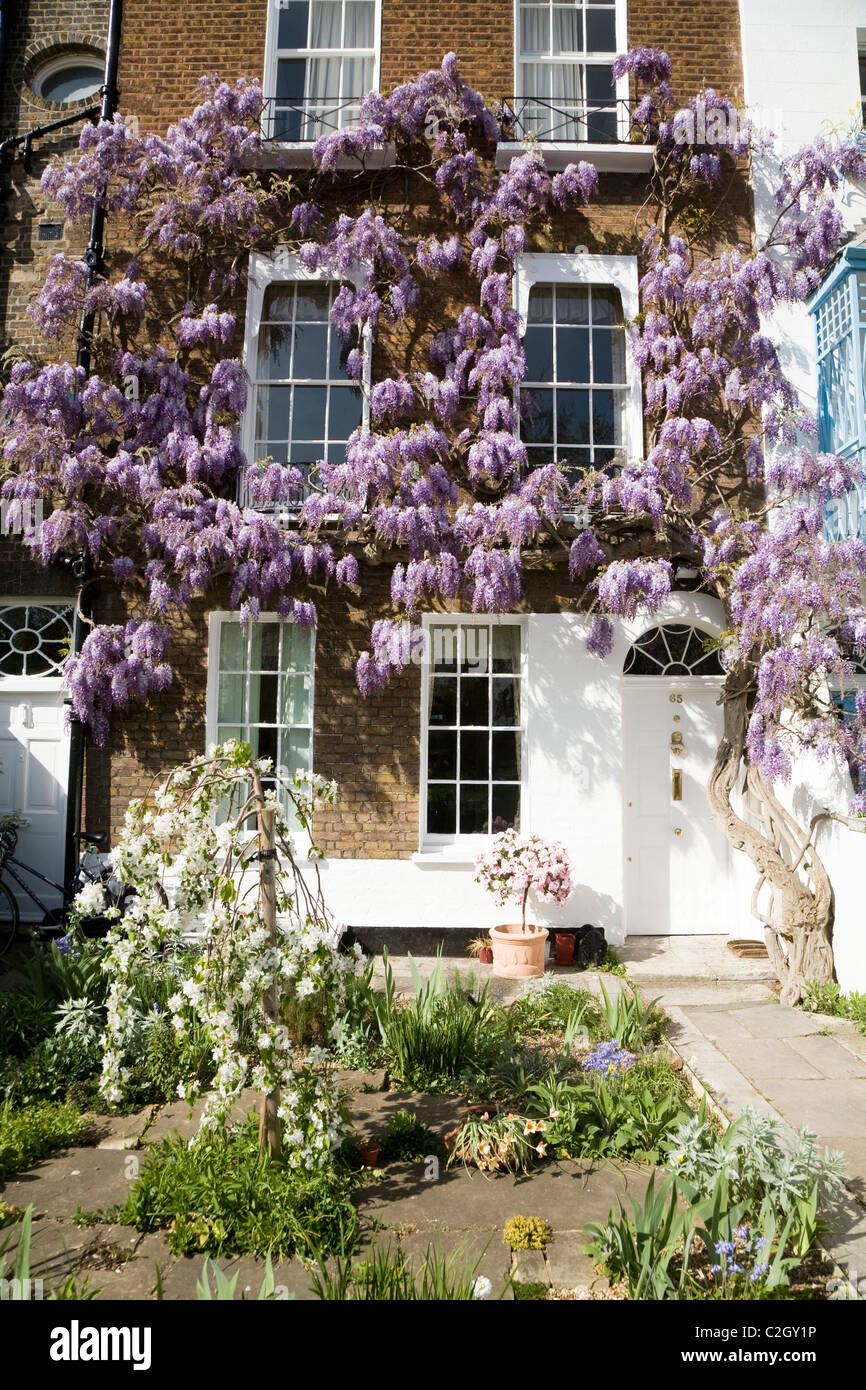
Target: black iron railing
{"points": [[578, 122], [305, 120]]}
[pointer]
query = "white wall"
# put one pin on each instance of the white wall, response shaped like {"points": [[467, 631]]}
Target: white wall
{"points": [[800, 64]]}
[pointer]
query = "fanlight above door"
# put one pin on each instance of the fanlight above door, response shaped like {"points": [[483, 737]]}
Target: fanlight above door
{"points": [[677, 649]]}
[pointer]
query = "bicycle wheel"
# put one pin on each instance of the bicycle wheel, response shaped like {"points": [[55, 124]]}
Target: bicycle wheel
{"points": [[8, 918]]}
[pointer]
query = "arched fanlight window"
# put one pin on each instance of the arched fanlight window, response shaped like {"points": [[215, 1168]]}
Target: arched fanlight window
{"points": [[678, 649], [34, 638]]}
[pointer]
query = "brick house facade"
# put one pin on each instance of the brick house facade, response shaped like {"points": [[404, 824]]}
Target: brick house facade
{"points": [[373, 746]]}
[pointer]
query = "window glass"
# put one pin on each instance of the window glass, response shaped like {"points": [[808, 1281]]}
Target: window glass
{"points": [[264, 691], [34, 638], [325, 62], [565, 78], [572, 400], [474, 729]]}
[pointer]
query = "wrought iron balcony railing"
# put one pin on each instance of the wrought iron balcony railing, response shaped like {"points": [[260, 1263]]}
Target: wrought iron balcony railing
{"points": [[570, 122], [289, 120]]}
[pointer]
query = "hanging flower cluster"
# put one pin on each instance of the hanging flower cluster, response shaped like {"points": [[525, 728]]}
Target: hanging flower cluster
{"points": [[516, 866], [192, 860]]}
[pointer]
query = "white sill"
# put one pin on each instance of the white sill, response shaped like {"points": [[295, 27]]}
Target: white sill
{"points": [[608, 158], [445, 854]]}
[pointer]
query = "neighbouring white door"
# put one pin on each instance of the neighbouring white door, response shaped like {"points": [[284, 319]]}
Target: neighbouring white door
{"points": [[677, 861], [34, 740]]}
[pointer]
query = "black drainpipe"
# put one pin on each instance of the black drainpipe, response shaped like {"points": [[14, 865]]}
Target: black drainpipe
{"points": [[93, 259]]}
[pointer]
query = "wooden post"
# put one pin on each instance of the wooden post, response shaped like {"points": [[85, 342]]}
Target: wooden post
{"points": [[269, 1120]]}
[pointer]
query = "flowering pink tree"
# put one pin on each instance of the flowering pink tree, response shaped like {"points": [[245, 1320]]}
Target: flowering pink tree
{"points": [[438, 483], [516, 866]]}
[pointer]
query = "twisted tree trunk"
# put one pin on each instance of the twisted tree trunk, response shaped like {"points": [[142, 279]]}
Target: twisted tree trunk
{"points": [[798, 917]]}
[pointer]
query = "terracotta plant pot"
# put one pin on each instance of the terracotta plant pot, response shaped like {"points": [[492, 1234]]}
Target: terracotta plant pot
{"points": [[369, 1152], [565, 943], [518, 952], [485, 956]]}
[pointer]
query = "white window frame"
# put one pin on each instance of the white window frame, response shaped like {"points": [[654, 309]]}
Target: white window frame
{"points": [[467, 846], [269, 82], [36, 684], [216, 620], [621, 83], [284, 268], [621, 273]]}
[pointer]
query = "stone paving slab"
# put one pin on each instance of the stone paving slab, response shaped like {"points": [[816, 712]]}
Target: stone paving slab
{"points": [[771, 1058], [94, 1179], [774, 1021], [825, 1106], [830, 1057]]}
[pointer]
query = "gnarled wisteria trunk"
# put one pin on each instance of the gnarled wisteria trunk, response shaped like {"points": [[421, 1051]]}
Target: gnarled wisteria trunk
{"points": [[797, 913]]}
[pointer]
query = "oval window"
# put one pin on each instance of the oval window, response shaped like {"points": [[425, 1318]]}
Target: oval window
{"points": [[69, 79]]}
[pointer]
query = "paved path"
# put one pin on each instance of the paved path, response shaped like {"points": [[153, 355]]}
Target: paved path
{"points": [[806, 1069]]}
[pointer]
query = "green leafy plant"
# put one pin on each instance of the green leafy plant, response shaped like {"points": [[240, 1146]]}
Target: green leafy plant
{"points": [[224, 1288], [55, 1067], [547, 1004], [40, 1129], [826, 997], [386, 1276], [649, 1249], [527, 1233], [633, 1023], [24, 1022], [492, 1142], [441, 1033], [407, 1138], [611, 964], [222, 1196]]}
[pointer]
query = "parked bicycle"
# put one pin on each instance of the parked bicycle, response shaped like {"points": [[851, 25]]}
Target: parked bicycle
{"points": [[93, 867]]}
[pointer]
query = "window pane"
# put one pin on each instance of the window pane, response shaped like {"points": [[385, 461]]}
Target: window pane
{"points": [[572, 417], [506, 757], [540, 304], [567, 30], [538, 346], [264, 644], [572, 304], [506, 648], [263, 699], [444, 642], [599, 84], [506, 703], [474, 757], [474, 818], [608, 354], [265, 744], [606, 304], [326, 24], [291, 74], [233, 646], [474, 700], [295, 750], [534, 29], [308, 419], [272, 412], [441, 809], [278, 302], [506, 809], [443, 704], [311, 352], [297, 647], [600, 31], [313, 302], [274, 352], [475, 653], [360, 18], [230, 699], [572, 354], [536, 416], [603, 431], [442, 754], [292, 27], [294, 700], [344, 411]]}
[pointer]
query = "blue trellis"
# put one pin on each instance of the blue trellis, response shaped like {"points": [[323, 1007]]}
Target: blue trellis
{"points": [[839, 311]]}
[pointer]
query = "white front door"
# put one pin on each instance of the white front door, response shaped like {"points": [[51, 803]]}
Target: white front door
{"points": [[677, 862], [34, 763]]}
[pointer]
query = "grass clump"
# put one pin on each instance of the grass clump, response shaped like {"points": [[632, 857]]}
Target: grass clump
{"points": [[224, 1195], [33, 1133], [407, 1138]]}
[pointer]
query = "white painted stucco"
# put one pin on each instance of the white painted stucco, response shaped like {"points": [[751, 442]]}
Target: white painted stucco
{"points": [[800, 63]]}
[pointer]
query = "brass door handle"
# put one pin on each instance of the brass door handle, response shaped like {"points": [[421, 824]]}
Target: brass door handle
{"points": [[678, 831]]}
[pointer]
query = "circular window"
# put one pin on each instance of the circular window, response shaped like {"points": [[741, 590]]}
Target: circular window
{"points": [[69, 78]]}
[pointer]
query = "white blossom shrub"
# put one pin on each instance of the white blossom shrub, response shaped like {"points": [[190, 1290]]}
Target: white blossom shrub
{"points": [[192, 858]]}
